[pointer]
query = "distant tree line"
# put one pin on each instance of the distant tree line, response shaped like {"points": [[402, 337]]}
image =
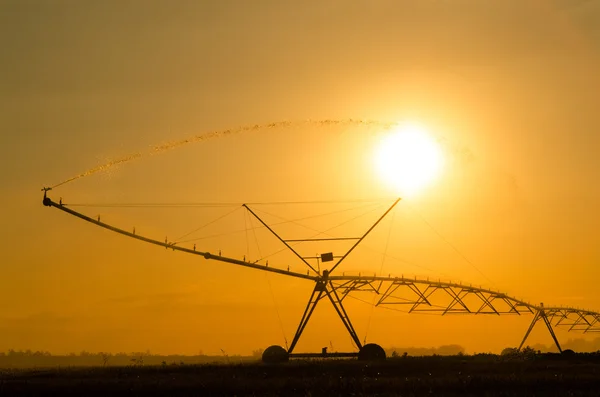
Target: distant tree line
{"points": [[577, 345], [445, 350], [31, 359]]}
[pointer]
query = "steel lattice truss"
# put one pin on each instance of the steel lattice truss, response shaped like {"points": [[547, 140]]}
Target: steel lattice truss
{"points": [[573, 319], [412, 295], [444, 298]]}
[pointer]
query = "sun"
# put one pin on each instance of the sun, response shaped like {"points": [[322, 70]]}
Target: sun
{"points": [[408, 159]]}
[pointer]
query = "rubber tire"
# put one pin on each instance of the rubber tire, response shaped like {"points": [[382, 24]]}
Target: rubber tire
{"points": [[275, 354], [371, 352]]}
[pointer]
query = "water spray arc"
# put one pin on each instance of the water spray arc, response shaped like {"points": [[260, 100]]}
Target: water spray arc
{"points": [[416, 294], [158, 149]]}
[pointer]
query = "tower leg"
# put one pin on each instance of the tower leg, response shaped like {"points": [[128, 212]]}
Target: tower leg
{"points": [[540, 314], [536, 317], [322, 289], [316, 295], [549, 325], [339, 308]]}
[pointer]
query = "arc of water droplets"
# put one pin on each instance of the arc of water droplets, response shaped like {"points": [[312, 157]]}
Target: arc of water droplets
{"points": [[156, 149], [102, 167]]}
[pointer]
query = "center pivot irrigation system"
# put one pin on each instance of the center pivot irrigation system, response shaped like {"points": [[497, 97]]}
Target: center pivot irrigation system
{"points": [[414, 294]]}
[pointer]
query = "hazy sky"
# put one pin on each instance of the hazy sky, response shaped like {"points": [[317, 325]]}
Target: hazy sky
{"points": [[509, 87]]}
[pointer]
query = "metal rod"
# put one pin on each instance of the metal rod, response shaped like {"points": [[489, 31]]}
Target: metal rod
{"points": [[207, 255], [280, 239], [551, 330], [317, 257], [310, 308], [535, 319], [365, 235], [322, 239]]}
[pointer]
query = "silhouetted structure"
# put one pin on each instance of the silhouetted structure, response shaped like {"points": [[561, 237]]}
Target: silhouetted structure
{"points": [[418, 295]]}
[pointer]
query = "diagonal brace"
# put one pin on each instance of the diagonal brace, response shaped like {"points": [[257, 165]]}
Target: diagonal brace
{"points": [[315, 297], [541, 314], [281, 239], [339, 308], [323, 288]]}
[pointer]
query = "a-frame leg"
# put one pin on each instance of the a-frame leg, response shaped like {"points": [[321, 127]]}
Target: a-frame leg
{"points": [[540, 314], [316, 295], [549, 325], [322, 289], [536, 317], [339, 308]]}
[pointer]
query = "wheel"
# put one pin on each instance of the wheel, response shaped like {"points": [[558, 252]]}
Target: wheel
{"points": [[371, 352], [275, 354]]}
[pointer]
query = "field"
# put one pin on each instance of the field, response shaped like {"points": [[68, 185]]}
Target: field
{"points": [[490, 375]]}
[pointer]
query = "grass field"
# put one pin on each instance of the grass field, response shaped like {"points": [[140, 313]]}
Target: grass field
{"points": [[490, 375]]}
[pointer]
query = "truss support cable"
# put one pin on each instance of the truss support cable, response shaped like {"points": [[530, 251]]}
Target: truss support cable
{"points": [[365, 235], [296, 221], [246, 233], [207, 224], [207, 255], [280, 239], [463, 256], [276, 309], [299, 240], [318, 233], [209, 204], [387, 243], [255, 238]]}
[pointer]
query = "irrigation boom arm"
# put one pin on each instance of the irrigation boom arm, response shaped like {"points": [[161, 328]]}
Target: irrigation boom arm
{"points": [[417, 295], [207, 255]]}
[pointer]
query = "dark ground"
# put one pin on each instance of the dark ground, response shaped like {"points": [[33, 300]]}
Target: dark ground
{"points": [[489, 375]]}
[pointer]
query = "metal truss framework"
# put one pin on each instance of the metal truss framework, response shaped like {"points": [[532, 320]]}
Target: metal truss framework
{"points": [[446, 298], [413, 294]]}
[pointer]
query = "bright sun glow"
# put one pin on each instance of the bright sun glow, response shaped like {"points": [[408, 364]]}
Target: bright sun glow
{"points": [[408, 159]]}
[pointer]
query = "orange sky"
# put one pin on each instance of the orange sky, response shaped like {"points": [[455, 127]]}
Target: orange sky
{"points": [[510, 88]]}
